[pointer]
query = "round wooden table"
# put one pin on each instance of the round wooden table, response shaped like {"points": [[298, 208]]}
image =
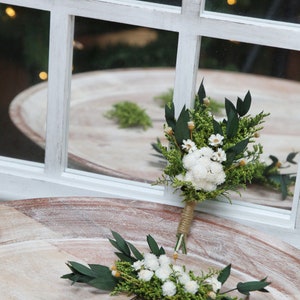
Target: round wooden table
{"points": [[38, 236]]}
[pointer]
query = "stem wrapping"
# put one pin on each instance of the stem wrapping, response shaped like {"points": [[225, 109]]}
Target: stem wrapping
{"points": [[184, 225]]}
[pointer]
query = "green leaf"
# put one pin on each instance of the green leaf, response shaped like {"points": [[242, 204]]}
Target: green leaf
{"points": [[224, 274], [201, 92], [124, 257], [232, 152], [291, 156], [247, 287], [107, 283], [232, 124], [170, 115], [100, 270], [120, 243], [82, 269], [181, 130], [243, 106], [137, 254], [153, 245], [217, 127]]}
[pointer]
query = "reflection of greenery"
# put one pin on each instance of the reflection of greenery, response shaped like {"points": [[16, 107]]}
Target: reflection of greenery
{"points": [[129, 114], [270, 175], [167, 98]]}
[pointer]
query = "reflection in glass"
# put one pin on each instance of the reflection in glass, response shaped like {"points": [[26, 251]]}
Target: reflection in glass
{"points": [[169, 2], [132, 64], [23, 62], [279, 10], [274, 85]]}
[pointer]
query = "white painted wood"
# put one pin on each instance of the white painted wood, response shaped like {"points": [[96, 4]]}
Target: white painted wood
{"points": [[18, 178], [60, 70], [188, 53]]}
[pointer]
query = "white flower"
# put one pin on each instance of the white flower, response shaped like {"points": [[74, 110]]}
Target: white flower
{"points": [[219, 155], [199, 171], [189, 145], [212, 295], [169, 288], [183, 278], [178, 269], [206, 152], [151, 261], [191, 287], [214, 282], [145, 275], [163, 273], [216, 140], [164, 260], [190, 159], [137, 265]]}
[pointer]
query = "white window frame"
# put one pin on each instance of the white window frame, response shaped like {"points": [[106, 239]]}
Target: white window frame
{"points": [[21, 179]]}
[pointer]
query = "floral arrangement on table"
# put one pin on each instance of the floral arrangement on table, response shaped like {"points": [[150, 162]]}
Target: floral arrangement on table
{"points": [[207, 158], [153, 276]]}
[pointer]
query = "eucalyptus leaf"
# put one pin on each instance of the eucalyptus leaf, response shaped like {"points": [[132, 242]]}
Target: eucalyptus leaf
{"points": [[251, 286], [201, 92], [100, 270], [120, 243], [125, 257], [155, 249], [233, 151], [137, 254], [170, 115], [80, 268], [153, 245], [291, 156], [217, 127], [106, 283], [224, 274], [243, 106], [181, 130]]}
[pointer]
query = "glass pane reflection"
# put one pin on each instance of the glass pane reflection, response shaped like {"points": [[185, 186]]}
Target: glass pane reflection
{"points": [[24, 35], [229, 70], [287, 10], [129, 63]]}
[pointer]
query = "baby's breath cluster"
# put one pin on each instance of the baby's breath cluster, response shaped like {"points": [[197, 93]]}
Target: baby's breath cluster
{"points": [[156, 277]]}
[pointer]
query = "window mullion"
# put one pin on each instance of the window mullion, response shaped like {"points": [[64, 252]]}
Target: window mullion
{"points": [[188, 53], [60, 70]]}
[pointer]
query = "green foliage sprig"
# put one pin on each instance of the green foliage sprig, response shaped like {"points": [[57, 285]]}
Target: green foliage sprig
{"points": [[235, 149], [129, 114], [153, 276]]}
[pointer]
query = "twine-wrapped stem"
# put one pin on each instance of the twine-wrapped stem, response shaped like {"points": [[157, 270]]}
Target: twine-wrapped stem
{"points": [[184, 225]]}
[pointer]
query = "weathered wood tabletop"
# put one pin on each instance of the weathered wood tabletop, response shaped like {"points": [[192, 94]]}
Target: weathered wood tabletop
{"points": [[38, 236]]}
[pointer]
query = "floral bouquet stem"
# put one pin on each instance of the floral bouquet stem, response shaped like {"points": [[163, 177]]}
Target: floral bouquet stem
{"points": [[184, 225]]}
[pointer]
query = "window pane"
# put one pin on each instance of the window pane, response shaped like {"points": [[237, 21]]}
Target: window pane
{"points": [[23, 63], [287, 11], [229, 70], [129, 64]]}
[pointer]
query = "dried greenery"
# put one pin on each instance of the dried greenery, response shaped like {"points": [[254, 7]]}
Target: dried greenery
{"points": [[129, 114]]}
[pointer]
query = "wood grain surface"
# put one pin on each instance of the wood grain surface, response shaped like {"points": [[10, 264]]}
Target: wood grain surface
{"points": [[38, 236]]}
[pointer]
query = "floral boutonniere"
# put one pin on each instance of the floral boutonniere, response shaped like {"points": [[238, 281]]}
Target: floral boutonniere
{"points": [[206, 157]]}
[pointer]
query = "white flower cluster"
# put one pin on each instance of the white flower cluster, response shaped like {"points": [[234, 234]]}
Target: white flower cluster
{"points": [[169, 274], [203, 166]]}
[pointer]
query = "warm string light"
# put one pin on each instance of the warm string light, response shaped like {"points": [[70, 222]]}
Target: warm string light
{"points": [[10, 12], [43, 75], [231, 2]]}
